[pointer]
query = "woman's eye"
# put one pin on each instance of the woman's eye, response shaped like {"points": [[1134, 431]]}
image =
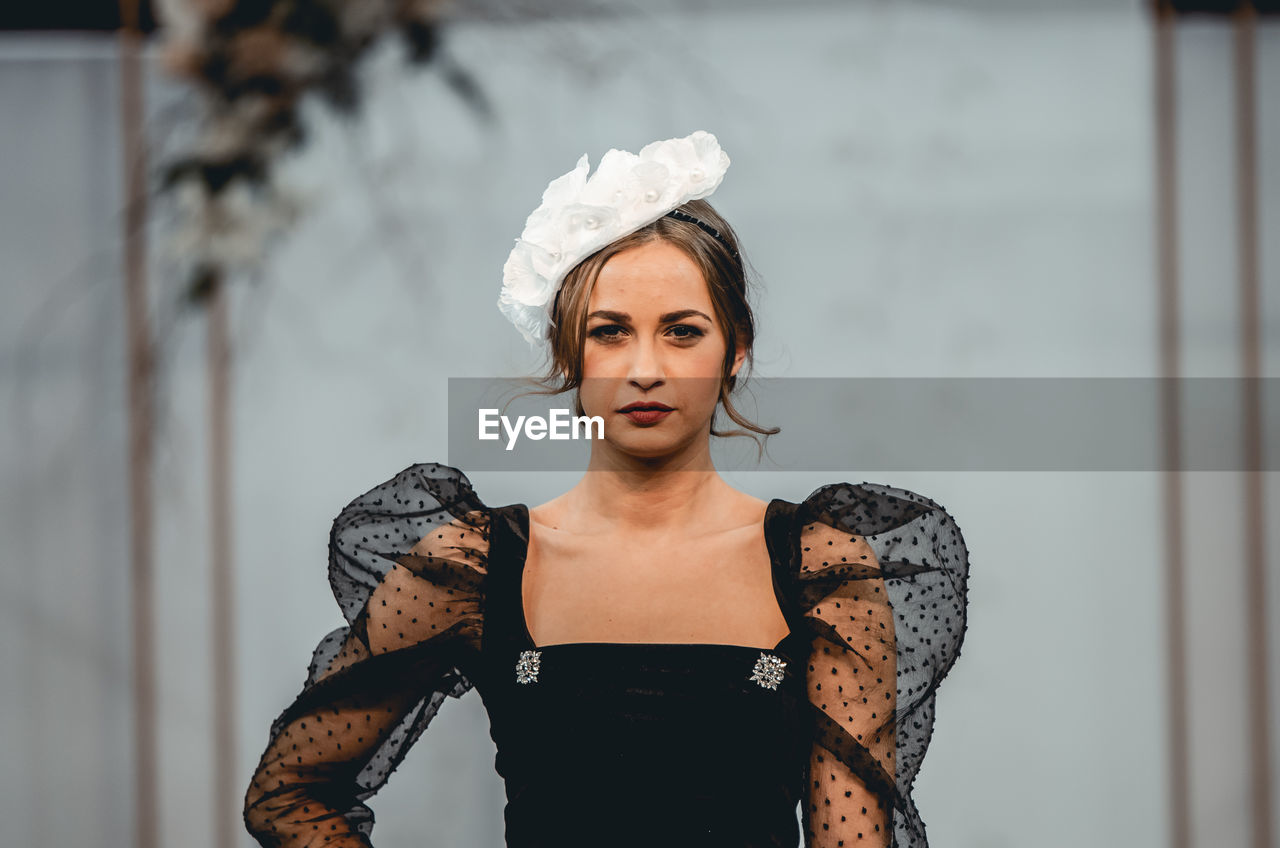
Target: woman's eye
{"points": [[689, 331], [613, 332], [607, 332]]}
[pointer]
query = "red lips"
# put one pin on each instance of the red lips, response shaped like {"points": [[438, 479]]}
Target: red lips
{"points": [[645, 412]]}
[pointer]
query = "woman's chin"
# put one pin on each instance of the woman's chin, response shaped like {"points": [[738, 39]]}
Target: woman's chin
{"points": [[646, 444]]}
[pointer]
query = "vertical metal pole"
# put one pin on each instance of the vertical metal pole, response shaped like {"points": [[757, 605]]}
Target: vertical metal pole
{"points": [[226, 800], [1251, 418], [141, 369], [1170, 403]]}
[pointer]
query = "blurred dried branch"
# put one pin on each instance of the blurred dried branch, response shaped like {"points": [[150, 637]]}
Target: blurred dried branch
{"points": [[253, 63]]}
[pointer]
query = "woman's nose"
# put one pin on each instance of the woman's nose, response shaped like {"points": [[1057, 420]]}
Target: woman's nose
{"points": [[646, 363]]}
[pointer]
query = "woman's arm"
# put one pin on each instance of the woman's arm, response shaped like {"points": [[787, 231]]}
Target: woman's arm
{"points": [[407, 563], [853, 669], [343, 735], [304, 790], [883, 582]]}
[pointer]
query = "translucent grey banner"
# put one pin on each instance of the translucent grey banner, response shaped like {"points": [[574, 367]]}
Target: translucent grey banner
{"points": [[884, 424]]}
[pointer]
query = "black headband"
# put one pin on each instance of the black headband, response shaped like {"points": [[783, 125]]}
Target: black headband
{"points": [[685, 216]]}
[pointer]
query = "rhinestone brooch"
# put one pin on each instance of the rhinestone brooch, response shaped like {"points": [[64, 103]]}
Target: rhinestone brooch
{"points": [[527, 666], [768, 671]]}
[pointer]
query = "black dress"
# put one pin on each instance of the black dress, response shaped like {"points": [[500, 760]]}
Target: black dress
{"points": [[628, 744]]}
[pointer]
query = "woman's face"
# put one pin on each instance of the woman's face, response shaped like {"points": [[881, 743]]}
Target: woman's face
{"points": [[652, 338]]}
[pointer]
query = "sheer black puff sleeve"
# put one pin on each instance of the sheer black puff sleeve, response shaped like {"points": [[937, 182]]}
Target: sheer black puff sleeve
{"points": [[407, 562], [882, 580]]}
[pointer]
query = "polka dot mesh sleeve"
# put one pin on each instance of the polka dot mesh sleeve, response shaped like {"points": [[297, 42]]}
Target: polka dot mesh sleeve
{"points": [[883, 580], [406, 563]]}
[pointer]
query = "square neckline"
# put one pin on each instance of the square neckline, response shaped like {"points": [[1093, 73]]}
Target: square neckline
{"points": [[775, 566]]}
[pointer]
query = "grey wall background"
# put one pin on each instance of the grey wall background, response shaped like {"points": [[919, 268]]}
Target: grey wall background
{"points": [[940, 189]]}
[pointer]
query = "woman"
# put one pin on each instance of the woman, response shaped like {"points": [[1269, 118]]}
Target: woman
{"points": [[665, 660]]}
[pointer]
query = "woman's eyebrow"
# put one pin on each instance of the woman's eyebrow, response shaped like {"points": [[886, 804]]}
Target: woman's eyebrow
{"points": [[666, 318]]}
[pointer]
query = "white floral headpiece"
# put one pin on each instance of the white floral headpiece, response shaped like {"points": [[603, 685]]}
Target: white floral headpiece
{"points": [[578, 216]]}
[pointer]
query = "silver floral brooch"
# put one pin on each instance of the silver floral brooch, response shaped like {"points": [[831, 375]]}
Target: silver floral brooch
{"points": [[768, 671], [527, 666]]}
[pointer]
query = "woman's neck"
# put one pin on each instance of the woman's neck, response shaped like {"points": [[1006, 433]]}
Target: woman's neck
{"points": [[621, 493]]}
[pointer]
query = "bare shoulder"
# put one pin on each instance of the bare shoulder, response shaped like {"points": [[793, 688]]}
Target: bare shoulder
{"points": [[751, 510], [549, 514]]}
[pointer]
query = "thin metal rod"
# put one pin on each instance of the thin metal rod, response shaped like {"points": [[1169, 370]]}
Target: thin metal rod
{"points": [[141, 427], [227, 802], [1171, 429], [1260, 781]]}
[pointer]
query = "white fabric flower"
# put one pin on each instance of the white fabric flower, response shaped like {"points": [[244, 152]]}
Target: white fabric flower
{"points": [[580, 214], [525, 283], [699, 160]]}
